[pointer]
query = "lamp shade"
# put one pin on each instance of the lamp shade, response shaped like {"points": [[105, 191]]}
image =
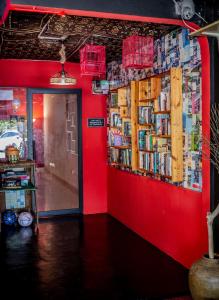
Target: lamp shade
{"points": [[62, 78], [138, 52], [93, 60]]}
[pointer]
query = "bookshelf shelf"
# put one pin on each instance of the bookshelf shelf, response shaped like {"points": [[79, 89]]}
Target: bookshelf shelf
{"points": [[115, 127], [121, 147], [147, 151], [150, 113], [146, 100], [120, 155], [18, 185], [114, 108], [146, 124], [155, 174], [30, 187], [164, 136], [167, 111], [162, 112], [120, 165]]}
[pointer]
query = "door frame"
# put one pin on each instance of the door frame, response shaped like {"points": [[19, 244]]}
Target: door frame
{"points": [[56, 91]]}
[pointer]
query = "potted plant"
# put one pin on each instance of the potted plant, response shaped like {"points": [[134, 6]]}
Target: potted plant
{"points": [[204, 274]]}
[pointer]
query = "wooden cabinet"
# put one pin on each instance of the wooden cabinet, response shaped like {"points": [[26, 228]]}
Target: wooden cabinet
{"points": [[155, 146], [18, 190]]}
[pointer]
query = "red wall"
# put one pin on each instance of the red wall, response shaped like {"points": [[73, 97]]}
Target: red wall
{"points": [[171, 218], [36, 74]]}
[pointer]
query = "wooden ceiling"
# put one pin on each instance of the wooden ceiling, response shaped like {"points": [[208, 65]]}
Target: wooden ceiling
{"points": [[36, 36]]}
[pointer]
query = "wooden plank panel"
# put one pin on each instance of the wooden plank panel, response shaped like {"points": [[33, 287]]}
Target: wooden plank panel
{"points": [[123, 110], [122, 96], [114, 110], [156, 106], [144, 126], [176, 124], [134, 120], [143, 89], [156, 86], [149, 88], [156, 89]]}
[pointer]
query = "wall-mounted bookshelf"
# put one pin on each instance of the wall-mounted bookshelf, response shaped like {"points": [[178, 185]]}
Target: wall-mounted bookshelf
{"points": [[120, 128], [145, 126]]}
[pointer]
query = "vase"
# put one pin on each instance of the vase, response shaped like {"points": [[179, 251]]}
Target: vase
{"points": [[12, 154], [204, 278]]}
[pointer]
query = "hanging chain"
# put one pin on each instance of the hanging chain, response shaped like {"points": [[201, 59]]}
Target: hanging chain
{"points": [[62, 54]]}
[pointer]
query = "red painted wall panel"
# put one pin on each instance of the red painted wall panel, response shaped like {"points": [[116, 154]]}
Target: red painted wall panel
{"points": [[167, 216], [36, 74], [171, 218]]}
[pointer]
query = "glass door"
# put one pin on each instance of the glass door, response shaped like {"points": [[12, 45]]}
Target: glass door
{"points": [[56, 151]]}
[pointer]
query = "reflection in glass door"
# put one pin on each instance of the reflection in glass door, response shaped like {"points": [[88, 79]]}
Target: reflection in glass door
{"points": [[13, 120], [55, 140]]}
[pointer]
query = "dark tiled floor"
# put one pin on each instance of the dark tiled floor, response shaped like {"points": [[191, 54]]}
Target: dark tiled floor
{"points": [[91, 257]]}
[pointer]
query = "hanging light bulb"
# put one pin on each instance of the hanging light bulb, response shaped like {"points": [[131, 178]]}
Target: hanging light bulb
{"points": [[16, 103], [62, 77]]}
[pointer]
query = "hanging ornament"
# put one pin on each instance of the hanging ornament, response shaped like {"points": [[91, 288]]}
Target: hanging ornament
{"points": [[93, 60], [62, 77], [138, 52]]}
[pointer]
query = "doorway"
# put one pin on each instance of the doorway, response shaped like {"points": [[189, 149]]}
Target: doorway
{"points": [[55, 143]]}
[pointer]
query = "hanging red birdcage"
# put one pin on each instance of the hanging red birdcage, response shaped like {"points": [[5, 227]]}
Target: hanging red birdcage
{"points": [[93, 60], [138, 52]]}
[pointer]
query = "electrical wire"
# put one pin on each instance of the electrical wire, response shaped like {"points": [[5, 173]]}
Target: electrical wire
{"points": [[40, 35], [79, 45], [198, 15], [187, 25], [41, 23], [2, 40]]}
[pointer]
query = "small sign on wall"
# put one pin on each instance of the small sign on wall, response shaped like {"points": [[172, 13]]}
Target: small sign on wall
{"points": [[96, 122]]}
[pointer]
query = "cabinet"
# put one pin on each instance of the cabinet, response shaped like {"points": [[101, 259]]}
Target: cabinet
{"points": [[18, 190], [153, 109]]}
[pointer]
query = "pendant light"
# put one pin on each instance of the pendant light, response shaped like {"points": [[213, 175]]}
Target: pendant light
{"points": [[62, 77], [138, 52]]}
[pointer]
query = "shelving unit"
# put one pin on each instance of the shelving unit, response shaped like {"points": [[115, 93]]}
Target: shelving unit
{"points": [[160, 145], [154, 110], [30, 189], [120, 128]]}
